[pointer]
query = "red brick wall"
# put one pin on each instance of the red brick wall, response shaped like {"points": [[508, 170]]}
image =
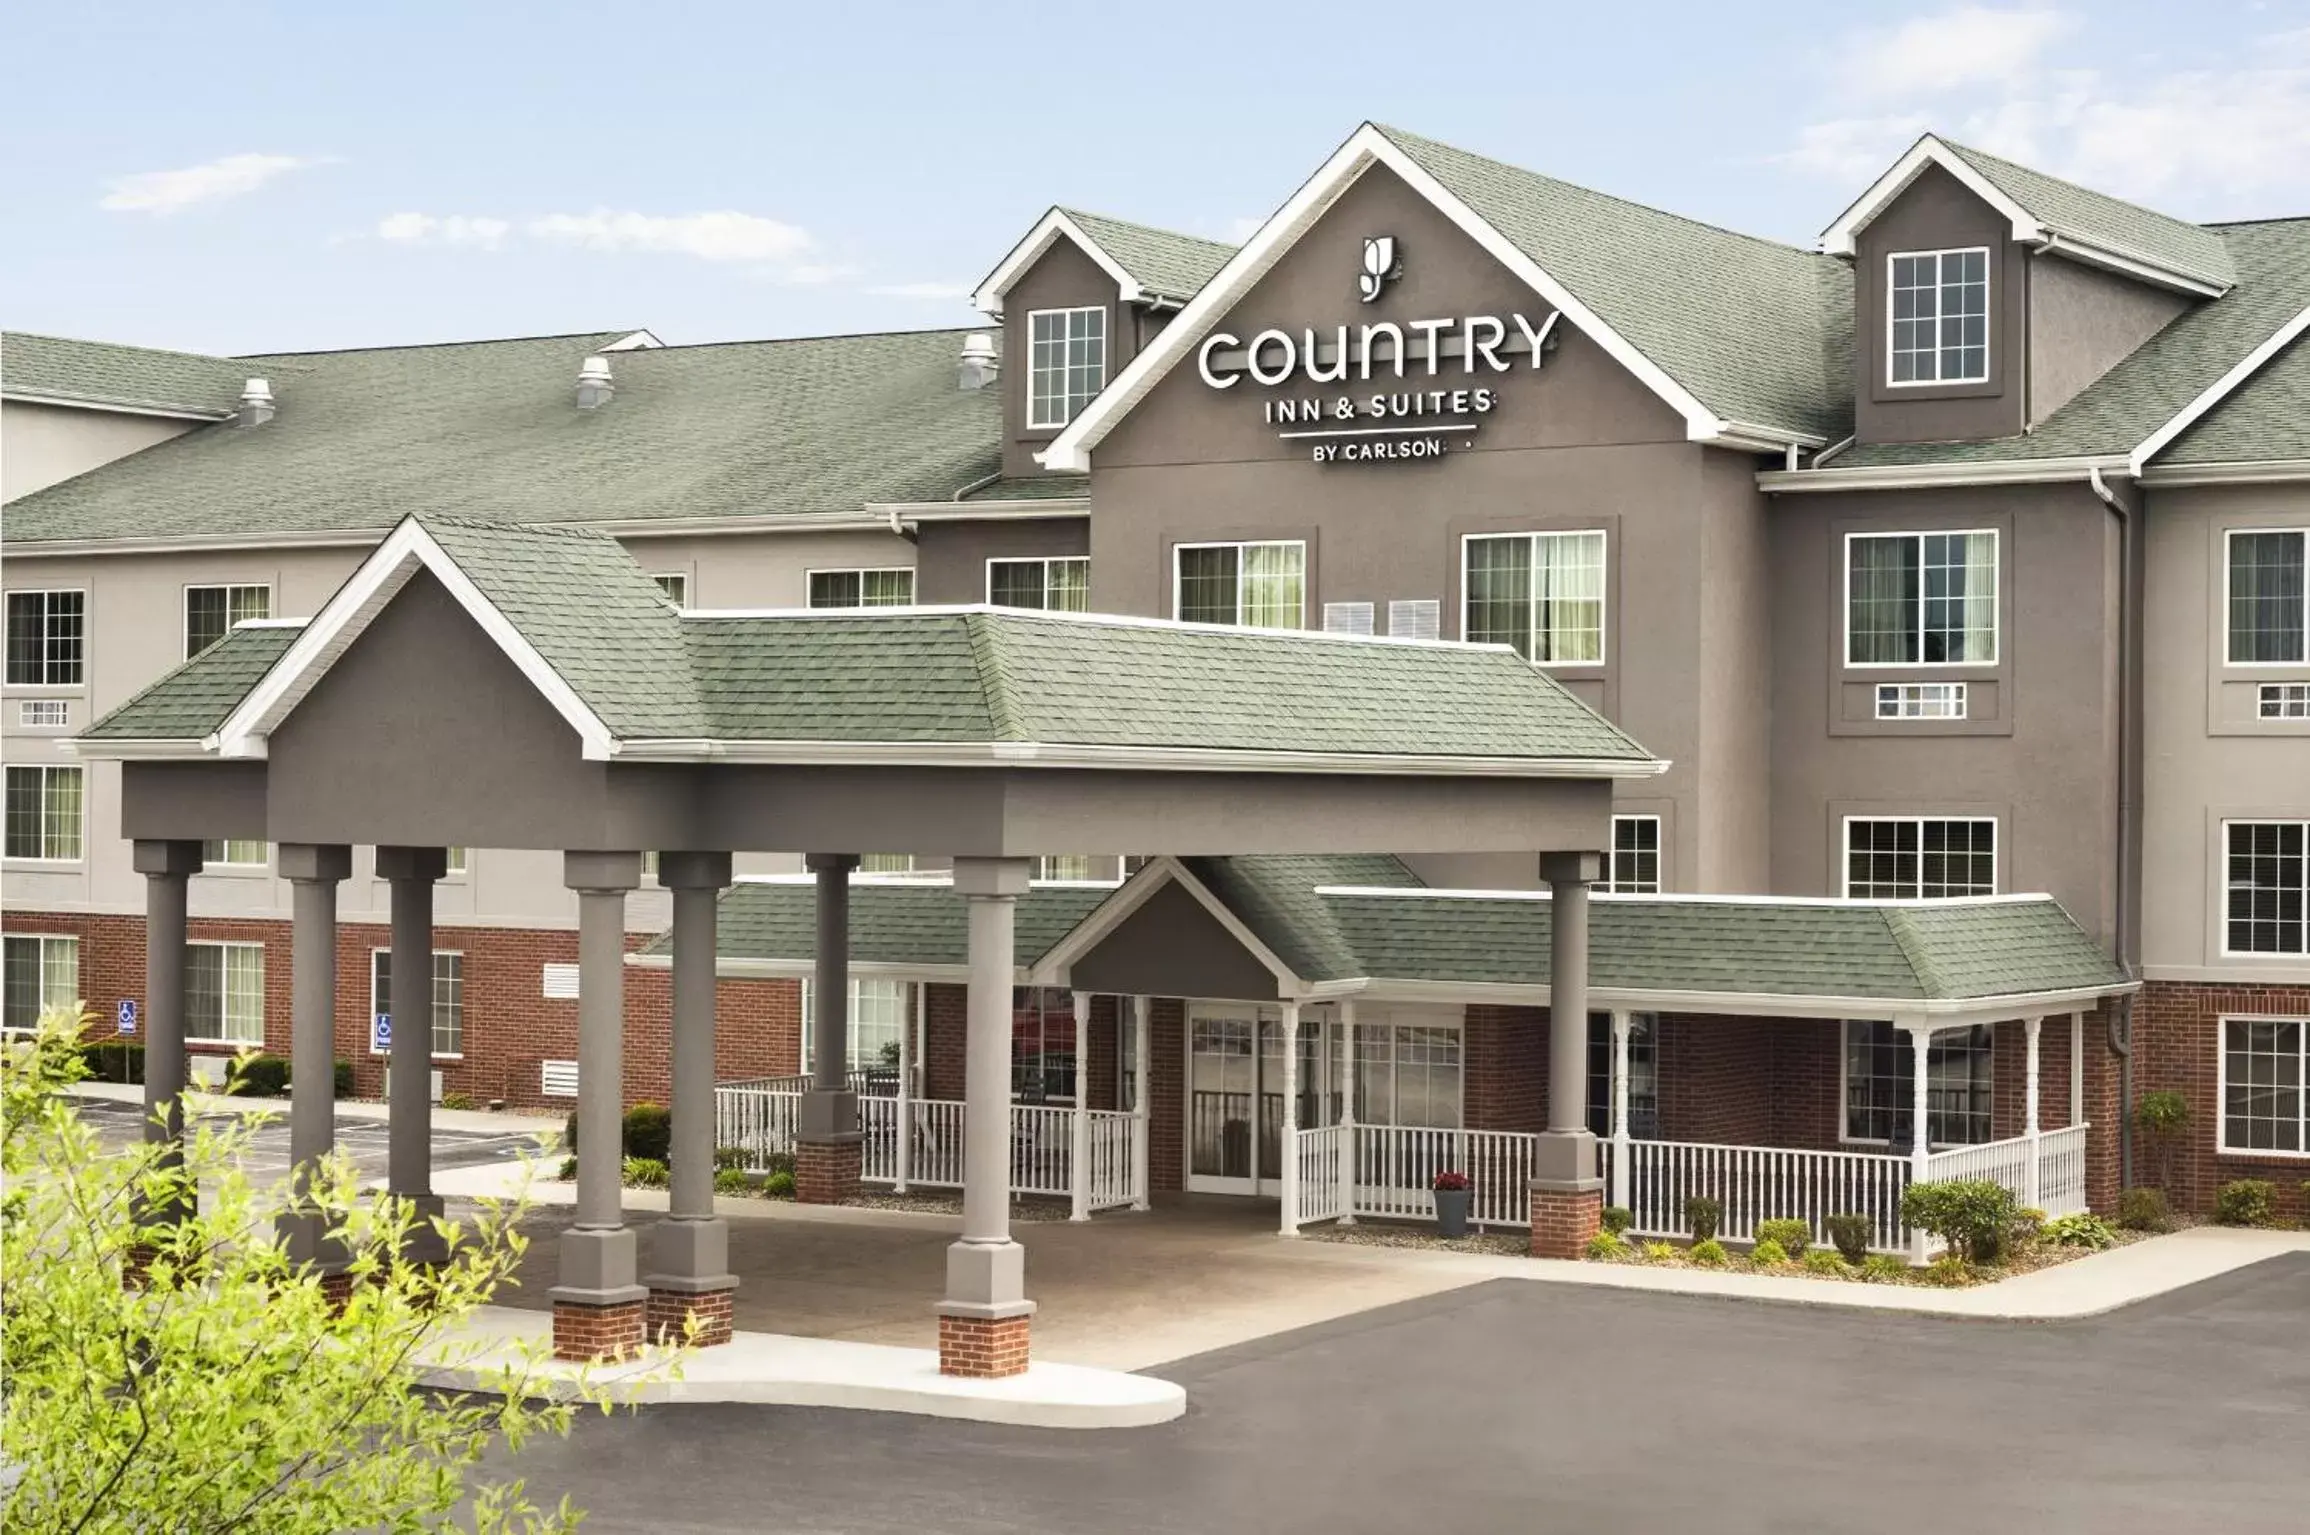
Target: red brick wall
{"points": [[2177, 1034], [1716, 1080], [1100, 1043], [945, 1039], [1504, 1058], [1166, 1093], [1808, 1077]]}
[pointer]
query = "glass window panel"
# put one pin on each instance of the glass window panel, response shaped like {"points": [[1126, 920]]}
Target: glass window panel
{"points": [[2267, 621], [1273, 591], [45, 638], [234, 854], [447, 1023], [1903, 858], [1208, 583], [1499, 593], [1882, 616], [211, 611], [40, 974], [1880, 1073], [1066, 363], [1635, 855], [225, 993], [2263, 1082], [2268, 880], [892, 588], [42, 813]]}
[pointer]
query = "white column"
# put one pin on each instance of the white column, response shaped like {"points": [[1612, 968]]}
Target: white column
{"points": [[2029, 1178], [1288, 1136], [2077, 1068], [1347, 1111], [985, 1269], [1619, 1195], [904, 1108], [1079, 1159], [1920, 1143], [1142, 1015]]}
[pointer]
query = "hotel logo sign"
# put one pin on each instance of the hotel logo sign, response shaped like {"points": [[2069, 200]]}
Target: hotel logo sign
{"points": [[1454, 356]]}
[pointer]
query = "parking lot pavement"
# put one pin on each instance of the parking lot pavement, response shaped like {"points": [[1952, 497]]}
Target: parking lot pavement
{"points": [[363, 1138]]}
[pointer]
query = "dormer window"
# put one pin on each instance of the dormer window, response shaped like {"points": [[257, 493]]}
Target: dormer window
{"points": [[1938, 316], [1066, 363]]}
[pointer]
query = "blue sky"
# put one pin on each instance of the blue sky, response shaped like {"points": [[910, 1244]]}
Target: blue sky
{"points": [[230, 177]]}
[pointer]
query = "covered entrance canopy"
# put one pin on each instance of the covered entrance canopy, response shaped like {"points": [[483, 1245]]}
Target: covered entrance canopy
{"points": [[486, 686]]}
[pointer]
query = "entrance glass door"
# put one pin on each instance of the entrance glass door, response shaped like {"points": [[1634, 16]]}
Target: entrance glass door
{"points": [[1235, 1062]]}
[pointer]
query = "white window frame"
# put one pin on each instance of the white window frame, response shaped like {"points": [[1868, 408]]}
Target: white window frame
{"points": [[675, 584], [1921, 701], [1533, 536], [224, 864], [369, 1024], [1067, 403], [78, 685], [2222, 889], [456, 862], [1611, 884], [1907, 1051], [905, 994], [861, 571], [1845, 851], [80, 836], [227, 945], [2282, 701], [1393, 1026], [1988, 317], [1046, 562], [2222, 1146], [1043, 869], [184, 610], [48, 946], [2302, 649], [1845, 601], [1239, 545]]}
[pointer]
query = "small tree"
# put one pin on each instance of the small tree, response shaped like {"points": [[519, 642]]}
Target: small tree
{"points": [[2162, 1119], [1970, 1215], [227, 1390]]}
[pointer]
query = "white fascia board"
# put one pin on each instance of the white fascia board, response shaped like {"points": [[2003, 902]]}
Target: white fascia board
{"points": [[1947, 1013], [635, 341], [1185, 759], [2132, 264], [1366, 147], [1838, 238], [2213, 394], [349, 612], [1050, 508], [113, 407], [98, 749], [2018, 471], [2262, 471], [195, 543], [1054, 226]]}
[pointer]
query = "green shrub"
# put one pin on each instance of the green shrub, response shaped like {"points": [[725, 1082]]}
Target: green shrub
{"points": [[259, 1075], [1793, 1236], [457, 1100], [649, 1132], [569, 1132], [645, 1173], [2081, 1230], [2026, 1229], [1971, 1215], [1606, 1245], [1822, 1261], [731, 1180], [1709, 1254], [1949, 1270], [1883, 1268], [2246, 1202], [113, 1060], [341, 1073], [1702, 1216], [778, 1185], [1851, 1235], [728, 1157], [2163, 1119], [1769, 1254], [1617, 1218], [2306, 1204], [2144, 1210], [779, 1162], [568, 1173], [1659, 1252]]}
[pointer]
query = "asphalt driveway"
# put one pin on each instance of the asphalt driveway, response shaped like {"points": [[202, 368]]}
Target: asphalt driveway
{"points": [[1509, 1406], [363, 1138]]}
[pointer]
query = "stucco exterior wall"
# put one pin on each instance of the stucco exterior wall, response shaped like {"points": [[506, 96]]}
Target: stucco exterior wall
{"points": [[41, 444], [2082, 322]]}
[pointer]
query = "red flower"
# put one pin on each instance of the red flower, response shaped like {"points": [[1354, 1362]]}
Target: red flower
{"points": [[1452, 1183]]}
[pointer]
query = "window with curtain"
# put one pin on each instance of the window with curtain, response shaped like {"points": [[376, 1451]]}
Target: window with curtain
{"points": [[46, 638], [1065, 866], [1055, 585], [41, 814], [211, 611], [1542, 593], [233, 854], [877, 1018], [448, 1012], [2265, 1074], [1256, 586], [1880, 1078], [887, 588], [1921, 599], [1408, 1074], [224, 993], [2269, 617], [38, 973]]}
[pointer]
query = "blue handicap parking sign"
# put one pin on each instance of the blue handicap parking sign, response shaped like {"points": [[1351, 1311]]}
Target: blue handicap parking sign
{"points": [[127, 1015], [381, 1032]]}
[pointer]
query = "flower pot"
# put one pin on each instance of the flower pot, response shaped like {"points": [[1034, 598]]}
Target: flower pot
{"points": [[1452, 1212]]}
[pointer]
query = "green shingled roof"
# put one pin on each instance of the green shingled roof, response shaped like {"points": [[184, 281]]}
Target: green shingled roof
{"points": [[2112, 223], [102, 373], [892, 922], [491, 431], [189, 703], [1759, 332], [1159, 260], [2267, 417]]}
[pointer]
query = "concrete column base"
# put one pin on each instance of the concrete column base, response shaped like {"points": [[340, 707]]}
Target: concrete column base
{"points": [[421, 1243], [1565, 1216], [582, 1334], [826, 1172], [669, 1313], [983, 1347]]}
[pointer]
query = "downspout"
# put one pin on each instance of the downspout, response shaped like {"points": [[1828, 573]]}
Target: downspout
{"points": [[2131, 579]]}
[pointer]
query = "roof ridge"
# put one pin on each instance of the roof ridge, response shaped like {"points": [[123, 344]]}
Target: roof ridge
{"points": [[1911, 945], [125, 346], [994, 682], [1153, 229], [432, 346], [2075, 186], [484, 525], [840, 335]]}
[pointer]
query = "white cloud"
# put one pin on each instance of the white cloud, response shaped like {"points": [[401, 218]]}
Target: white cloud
{"points": [[166, 192], [721, 236], [1929, 55], [923, 290], [1853, 149], [451, 229]]}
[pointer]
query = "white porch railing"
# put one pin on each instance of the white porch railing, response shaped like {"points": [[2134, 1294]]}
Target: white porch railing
{"points": [[1322, 1185], [1760, 1183], [761, 1122], [2060, 1182], [2061, 1171]]}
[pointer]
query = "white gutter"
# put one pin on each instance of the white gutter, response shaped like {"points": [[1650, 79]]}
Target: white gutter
{"points": [[2026, 471], [1039, 754], [114, 407], [2264, 471]]}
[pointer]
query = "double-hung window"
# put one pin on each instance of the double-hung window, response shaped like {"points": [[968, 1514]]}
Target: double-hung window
{"points": [[1057, 585], [1543, 593], [1921, 599], [2269, 612], [1258, 586], [224, 993], [1938, 317], [211, 611], [1635, 865], [1881, 1077], [1066, 363], [38, 973], [47, 638], [2266, 1085], [2267, 887], [877, 1018], [233, 854], [1905, 858], [1408, 1074], [448, 1012], [891, 587], [41, 814]]}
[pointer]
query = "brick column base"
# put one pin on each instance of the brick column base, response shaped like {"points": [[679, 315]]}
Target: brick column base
{"points": [[136, 1265], [1563, 1219], [982, 1348], [337, 1290], [669, 1311], [582, 1334], [826, 1172]]}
